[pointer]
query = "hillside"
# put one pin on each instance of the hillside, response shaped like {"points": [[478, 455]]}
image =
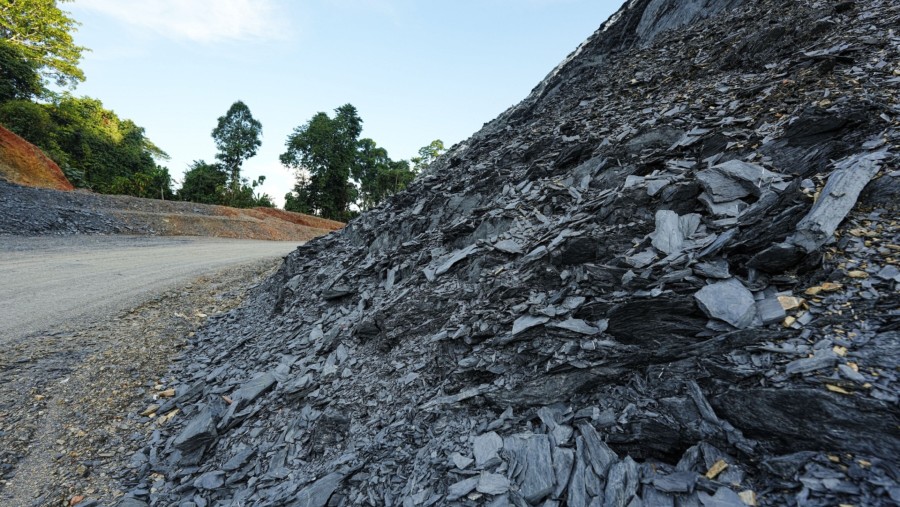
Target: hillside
{"points": [[25, 164], [667, 277]]}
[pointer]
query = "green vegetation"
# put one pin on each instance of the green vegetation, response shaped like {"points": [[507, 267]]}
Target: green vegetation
{"points": [[237, 138], [336, 170], [42, 33], [95, 148], [338, 174]]}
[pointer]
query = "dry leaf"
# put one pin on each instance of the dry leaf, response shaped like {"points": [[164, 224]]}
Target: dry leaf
{"points": [[716, 469], [856, 273], [839, 350], [748, 497], [790, 302], [836, 389], [168, 393]]}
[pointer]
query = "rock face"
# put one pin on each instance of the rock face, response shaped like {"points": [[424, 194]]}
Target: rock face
{"points": [[623, 291]]}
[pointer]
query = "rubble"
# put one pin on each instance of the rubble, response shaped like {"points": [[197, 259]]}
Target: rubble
{"points": [[644, 272]]}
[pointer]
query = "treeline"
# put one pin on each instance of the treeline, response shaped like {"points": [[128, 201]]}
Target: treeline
{"points": [[93, 146], [338, 173]]}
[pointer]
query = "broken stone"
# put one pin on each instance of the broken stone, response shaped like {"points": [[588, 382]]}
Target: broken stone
{"points": [[486, 449], [729, 301], [672, 230]]}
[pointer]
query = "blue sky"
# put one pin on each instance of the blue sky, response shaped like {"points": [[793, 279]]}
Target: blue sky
{"points": [[416, 70]]}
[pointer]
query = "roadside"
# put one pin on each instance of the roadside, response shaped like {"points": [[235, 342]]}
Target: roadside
{"points": [[39, 211], [71, 402]]}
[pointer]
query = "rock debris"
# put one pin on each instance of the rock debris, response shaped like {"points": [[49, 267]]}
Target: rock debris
{"points": [[667, 277]]}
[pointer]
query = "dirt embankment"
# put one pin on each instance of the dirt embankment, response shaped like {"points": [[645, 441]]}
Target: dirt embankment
{"points": [[37, 199], [38, 211], [24, 163]]}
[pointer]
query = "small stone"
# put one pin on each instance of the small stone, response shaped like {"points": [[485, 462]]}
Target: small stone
{"points": [[486, 448]]}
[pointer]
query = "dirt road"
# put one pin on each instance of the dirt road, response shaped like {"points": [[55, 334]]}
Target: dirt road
{"points": [[89, 327], [54, 281]]}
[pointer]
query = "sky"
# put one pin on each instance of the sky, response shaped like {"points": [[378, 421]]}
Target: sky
{"points": [[416, 70]]}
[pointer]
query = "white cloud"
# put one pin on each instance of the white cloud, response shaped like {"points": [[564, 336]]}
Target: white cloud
{"points": [[198, 20]]}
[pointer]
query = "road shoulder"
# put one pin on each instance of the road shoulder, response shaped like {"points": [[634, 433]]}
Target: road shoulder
{"points": [[70, 415]]}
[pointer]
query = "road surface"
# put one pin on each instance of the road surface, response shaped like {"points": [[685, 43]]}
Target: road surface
{"points": [[49, 282]]}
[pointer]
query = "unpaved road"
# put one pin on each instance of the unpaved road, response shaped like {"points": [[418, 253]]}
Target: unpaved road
{"points": [[52, 281], [89, 328]]}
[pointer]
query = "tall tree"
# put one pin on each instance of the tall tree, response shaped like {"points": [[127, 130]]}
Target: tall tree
{"points": [[43, 34], [19, 78], [237, 138], [327, 148]]}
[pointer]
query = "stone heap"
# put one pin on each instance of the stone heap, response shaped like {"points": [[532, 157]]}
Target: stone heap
{"points": [[667, 277]]}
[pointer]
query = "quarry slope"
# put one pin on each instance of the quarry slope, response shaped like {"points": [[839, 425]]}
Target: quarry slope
{"points": [[667, 277]]}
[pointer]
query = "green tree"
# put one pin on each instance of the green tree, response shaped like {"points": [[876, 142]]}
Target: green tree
{"points": [[237, 138], [327, 148], [43, 34], [427, 155], [19, 78], [204, 183]]}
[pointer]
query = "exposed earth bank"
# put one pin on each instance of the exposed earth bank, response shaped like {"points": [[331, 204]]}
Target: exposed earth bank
{"points": [[32, 211]]}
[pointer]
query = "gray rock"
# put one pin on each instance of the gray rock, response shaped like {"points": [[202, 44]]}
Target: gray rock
{"points": [[462, 488], [253, 389], [820, 359], [319, 492], [198, 433], [461, 462], [735, 179], [576, 326], [210, 480], [770, 311], [530, 465], [598, 454], [673, 230], [838, 197], [677, 482], [486, 449], [728, 300], [526, 322], [492, 484], [724, 497]]}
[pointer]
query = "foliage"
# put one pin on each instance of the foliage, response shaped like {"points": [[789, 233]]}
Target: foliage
{"points": [[237, 137], [203, 183], [42, 32], [207, 184], [326, 148], [19, 78], [94, 147], [337, 171], [427, 155]]}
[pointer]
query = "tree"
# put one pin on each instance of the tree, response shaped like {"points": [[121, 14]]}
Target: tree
{"points": [[204, 183], [326, 148], [427, 155], [43, 34], [378, 176], [19, 78], [237, 138]]}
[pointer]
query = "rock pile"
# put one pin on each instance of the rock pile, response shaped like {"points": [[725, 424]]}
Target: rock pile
{"points": [[668, 277]]}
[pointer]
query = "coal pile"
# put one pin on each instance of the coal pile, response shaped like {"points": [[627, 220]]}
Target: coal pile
{"points": [[667, 277]]}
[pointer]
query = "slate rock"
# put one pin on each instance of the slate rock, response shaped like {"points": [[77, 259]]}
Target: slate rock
{"points": [[530, 465], [198, 433], [728, 300], [486, 449], [319, 492], [492, 484]]}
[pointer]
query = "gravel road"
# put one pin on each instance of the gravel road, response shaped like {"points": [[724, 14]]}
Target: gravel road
{"points": [[89, 327], [54, 281]]}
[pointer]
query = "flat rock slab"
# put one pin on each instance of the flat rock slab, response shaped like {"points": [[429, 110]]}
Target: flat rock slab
{"points": [[729, 301]]}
